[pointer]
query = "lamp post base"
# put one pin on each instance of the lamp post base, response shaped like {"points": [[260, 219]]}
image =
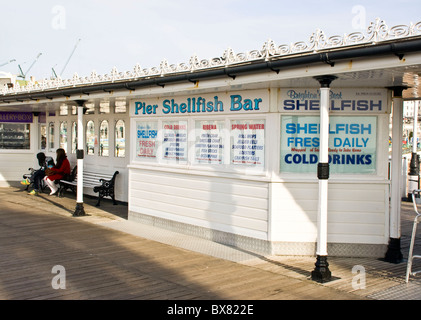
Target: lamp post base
{"points": [[79, 211], [321, 272], [394, 254]]}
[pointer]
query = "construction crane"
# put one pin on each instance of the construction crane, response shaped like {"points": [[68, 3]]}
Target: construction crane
{"points": [[23, 75], [67, 62], [3, 64]]}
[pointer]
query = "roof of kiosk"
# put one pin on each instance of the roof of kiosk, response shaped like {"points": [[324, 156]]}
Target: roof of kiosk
{"points": [[380, 57]]}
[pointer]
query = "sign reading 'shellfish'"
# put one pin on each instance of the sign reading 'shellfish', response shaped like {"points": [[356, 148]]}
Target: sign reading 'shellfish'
{"points": [[340, 100]]}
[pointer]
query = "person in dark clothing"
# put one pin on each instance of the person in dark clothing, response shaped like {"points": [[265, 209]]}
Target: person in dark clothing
{"points": [[37, 175]]}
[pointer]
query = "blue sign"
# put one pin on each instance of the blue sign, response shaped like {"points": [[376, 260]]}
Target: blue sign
{"points": [[352, 144]]}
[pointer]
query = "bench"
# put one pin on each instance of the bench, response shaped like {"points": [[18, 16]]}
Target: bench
{"points": [[102, 183]]}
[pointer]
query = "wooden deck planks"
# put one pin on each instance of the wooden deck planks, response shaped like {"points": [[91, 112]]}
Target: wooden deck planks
{"points": [[102, 263]]}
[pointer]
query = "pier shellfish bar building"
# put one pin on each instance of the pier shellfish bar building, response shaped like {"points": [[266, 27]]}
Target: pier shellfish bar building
{"points": [[282, 150]]}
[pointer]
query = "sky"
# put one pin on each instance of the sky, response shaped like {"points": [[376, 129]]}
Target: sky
{"points": [[126, 32]]}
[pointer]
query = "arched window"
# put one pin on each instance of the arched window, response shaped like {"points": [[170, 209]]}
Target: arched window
{"points": [[51, 136], [103, 139], [120, 139], [63, 135], [74, 137], [90, 137]]}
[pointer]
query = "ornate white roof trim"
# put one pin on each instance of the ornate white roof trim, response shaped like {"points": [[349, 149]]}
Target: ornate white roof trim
{"points": [[376, 32]]}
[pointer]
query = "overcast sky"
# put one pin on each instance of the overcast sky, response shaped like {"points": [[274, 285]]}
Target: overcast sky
{"points": [[125, 32]]}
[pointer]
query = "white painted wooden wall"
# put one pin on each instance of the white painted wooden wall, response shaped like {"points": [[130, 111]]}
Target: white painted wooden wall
{"points": [[219, 203]]}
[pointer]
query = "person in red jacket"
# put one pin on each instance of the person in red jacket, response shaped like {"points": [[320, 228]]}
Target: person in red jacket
{"points": [[59, 171]]}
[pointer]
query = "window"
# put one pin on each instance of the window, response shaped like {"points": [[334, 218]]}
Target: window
{"points": [[174, 144], [90, 108], [248, 142], [120, 105], [352, 144], [120, 139], [146, 139], [51, 136], [90, 137], [42, 136], [14, 136], [74, 137], [63, 135], [104, 107], [209, 146], [103, 139], [64, 110]]}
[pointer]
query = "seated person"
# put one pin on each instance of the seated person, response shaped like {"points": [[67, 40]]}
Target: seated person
{"points": [[58, 172], [37, 175]]}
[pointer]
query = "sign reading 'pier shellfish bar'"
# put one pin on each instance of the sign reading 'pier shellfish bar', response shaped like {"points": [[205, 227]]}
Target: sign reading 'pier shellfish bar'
{"points": [[252, 101]]}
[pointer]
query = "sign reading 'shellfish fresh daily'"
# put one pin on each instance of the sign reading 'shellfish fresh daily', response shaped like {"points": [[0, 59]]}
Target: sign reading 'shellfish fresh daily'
{"points": [[146, 142], [352, 144]]}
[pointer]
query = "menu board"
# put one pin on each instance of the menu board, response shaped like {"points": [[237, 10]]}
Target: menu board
{"points": [[146, 139], [248, 142], [174, 144], [209, 146]]}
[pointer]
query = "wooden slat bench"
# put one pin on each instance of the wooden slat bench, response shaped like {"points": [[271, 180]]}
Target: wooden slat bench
{"points": [[102, 183]]}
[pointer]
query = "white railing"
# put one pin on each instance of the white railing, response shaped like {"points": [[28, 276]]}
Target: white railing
{"points": [[376, 32]]}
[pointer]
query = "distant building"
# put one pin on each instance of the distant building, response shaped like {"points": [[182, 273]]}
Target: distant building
{"points": [[7, 79]]}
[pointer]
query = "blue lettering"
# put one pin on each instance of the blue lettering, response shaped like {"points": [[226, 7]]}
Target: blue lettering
{"points": [[313, 128], [174, 106], [138, 106], [354, 128], [236, 103], [256, 103], [218, 103], [301, 158], [296, 158], [374, 105], [166, 107], [298, 105], [289, 105], [209, 106], [142, 133], [183, 107], [362, 105], [368, 129], [314, 105], [290, 128], [149, 109], [248, 104]]}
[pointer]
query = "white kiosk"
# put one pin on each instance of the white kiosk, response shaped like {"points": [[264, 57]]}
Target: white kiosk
{"points": [[282, 150]]}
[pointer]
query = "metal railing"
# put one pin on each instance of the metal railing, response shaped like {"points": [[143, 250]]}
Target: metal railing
{"points": [[411, 255]]}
